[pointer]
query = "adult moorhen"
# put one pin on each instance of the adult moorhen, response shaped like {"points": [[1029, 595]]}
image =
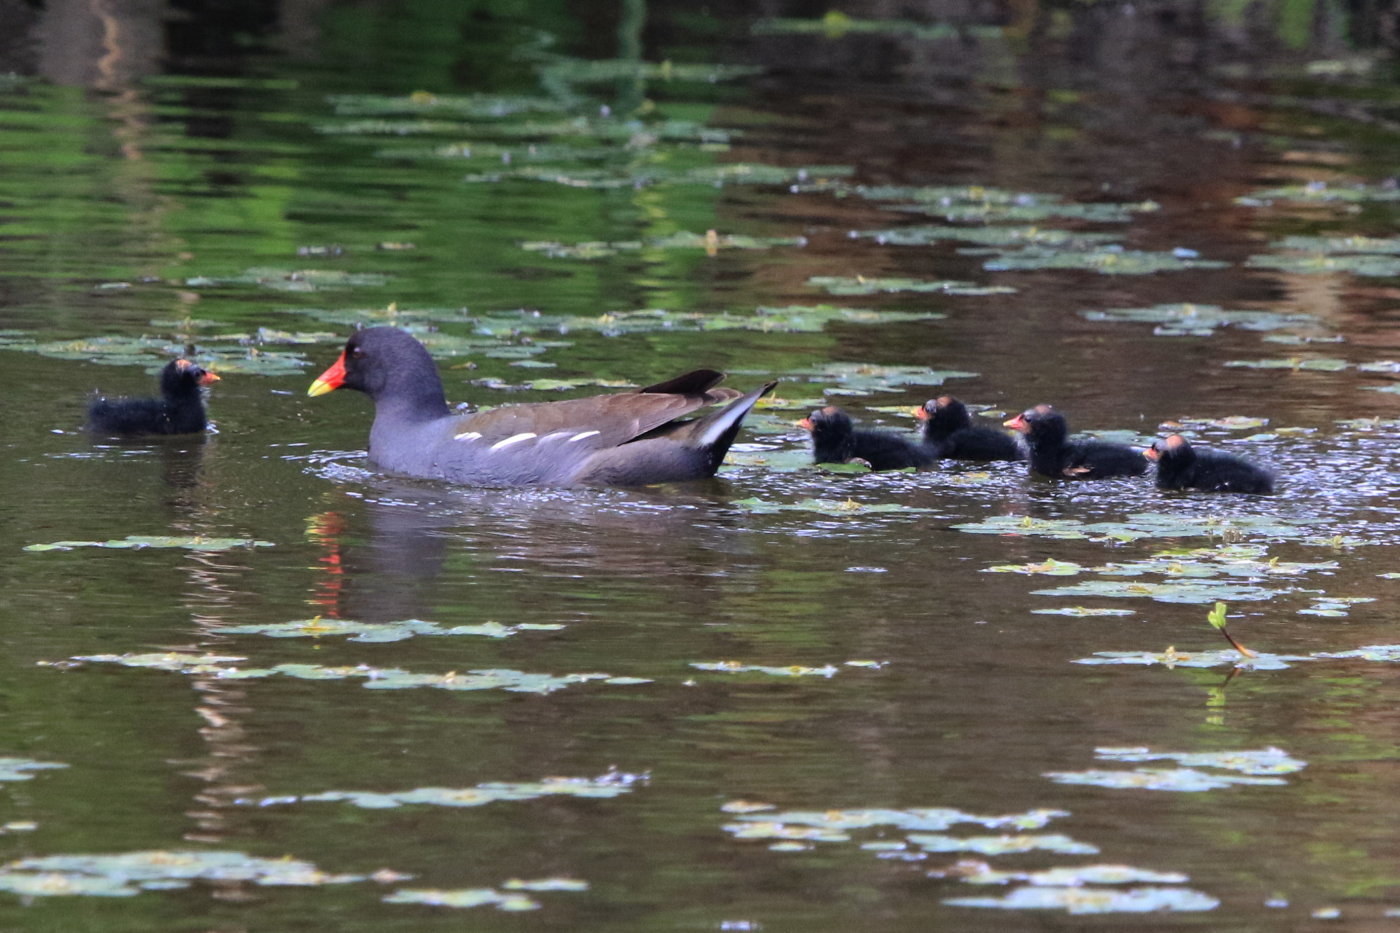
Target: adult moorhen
{"points": [[1055, 455], [836, 439], [627, 439], [179, 410], [949, 433], [1181, 466]]}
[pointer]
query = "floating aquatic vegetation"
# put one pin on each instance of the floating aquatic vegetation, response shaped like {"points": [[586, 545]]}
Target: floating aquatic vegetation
{"points": [[864, 378], [970, 871], [130, 873], [1082, 612], [1088, 900], [980, 204], [1295, 364], [1003, 845], [991, 236], [1319, 263], [1182, 320], [492, 792], [292, 280], [837, 825], [1341, 244], [1256, 766], [875, 285], [463, 898], [140, 542], [593, 71], [1184, 591], [832, 507], [1048, 567], [377, 678], [222, 353], [675, 241], [1134, 527], [1334, 606], [1106, 260], [1321, 193], [634, 175], [17, 769], [1229, 423], [1171, 658], [835, 24], [380, 631], [474, 106], [788, 670]]}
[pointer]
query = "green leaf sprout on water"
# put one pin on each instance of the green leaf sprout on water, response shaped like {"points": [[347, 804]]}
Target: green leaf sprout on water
{"points": [[1216, 618]]}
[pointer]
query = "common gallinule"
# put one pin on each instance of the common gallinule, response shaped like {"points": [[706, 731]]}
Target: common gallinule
{"points": [[1181, 466], [179, 410], [949, 433], [1054, 454], [836, 439], [627, 439]]}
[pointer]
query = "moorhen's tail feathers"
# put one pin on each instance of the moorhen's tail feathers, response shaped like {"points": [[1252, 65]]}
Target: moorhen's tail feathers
{"points": [[700, 382]]}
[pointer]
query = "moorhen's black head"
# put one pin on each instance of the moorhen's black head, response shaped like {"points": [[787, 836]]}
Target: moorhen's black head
{"points": [[943, 415], [1173, 450], [830, 427], [182, 379], [387, 364], [1040, 423]]}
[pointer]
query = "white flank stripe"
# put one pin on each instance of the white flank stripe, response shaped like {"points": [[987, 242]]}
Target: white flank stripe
{"points": [[467, 436], [513, 439], [585, 434]]}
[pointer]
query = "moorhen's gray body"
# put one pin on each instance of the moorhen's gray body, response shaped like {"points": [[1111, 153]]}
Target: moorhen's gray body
{"points": [[1053, 454], [626, 439], [179, 410], [949, 433], [1181, 466], [836, 439]]}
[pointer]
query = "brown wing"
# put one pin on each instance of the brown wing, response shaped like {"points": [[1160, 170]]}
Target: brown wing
{"points": [[617, 418]]}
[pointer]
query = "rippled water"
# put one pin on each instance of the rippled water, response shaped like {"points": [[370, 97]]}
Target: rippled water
{"points": [[773, 697]]}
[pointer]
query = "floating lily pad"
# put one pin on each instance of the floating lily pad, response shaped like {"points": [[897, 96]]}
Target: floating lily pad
{"points": [[1321, 193], [1134, 527], [222, 353], [1082, 612], [1334, 606], [837, 825], [493, 792], [1198, 320], [126, 874], [1266, 761], [1295, 364], [1229, 423], [292, 280], [676, 241], [17, 769], [975, 872], [463, 898], [1002, 845], [545, 884], [864, 378], [1174, 779], [1341, 244], [977, 203], [1088, 900], [1048, 567], [1106, 261], [791, 670], [992, 236], [1171, 658], [1321, 263], [832, 507], [373, 677], [862, 285], [380, 631], [1185, 591], [140, 542]]}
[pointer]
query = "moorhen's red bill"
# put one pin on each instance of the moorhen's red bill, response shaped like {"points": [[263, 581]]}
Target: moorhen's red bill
{"points": [[626, 439], [179, 410], [949, 433], [836, 439], [1055, 455], [1181, 466]]}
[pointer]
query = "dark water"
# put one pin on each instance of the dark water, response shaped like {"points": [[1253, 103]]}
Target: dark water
{"points": [[232, 192]]}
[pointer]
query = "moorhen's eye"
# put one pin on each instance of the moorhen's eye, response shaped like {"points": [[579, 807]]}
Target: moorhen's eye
{"points": [[357, 353]]}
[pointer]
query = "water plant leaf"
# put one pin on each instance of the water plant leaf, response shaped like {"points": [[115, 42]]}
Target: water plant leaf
{"points": [[129, 873], [374, 678], [141, 542], [864, 378], [831, 507], [1323, 263], [1183, 591], [1295, 364], [835, 24], [1258, 761], [677, 241], [1196, 320], [1002, 845], [462, 898], [1171, 658], [837, 825], [1105, 260], [1090, 900], [1082, 612], [1321, 193], [1172, 779], [1048, 567], [999, 236], [17, 769], [790, 670], [876, 285], [379, 631], [292, 280], [480, 795]]}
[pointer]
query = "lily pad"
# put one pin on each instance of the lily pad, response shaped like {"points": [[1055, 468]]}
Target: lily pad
{"points": [[462, 898], [875, 285], [17, 769], [1341, 244], [1265, 761], [1106, 261], [1294, 364], [1002, 845], [864, 378], [480, 795], [1134, 527], [974, 872], [373, 677], [1176, 320], [292, 280], [1185, 591], [141, 542], [1089, 900], [790, 670], [1171, 658], [991, 236], [1083, 612], [831, 507], [126, 874], [1321, 193], [1048, 567], [837, 825], [380, 631], [1174, 779]]}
